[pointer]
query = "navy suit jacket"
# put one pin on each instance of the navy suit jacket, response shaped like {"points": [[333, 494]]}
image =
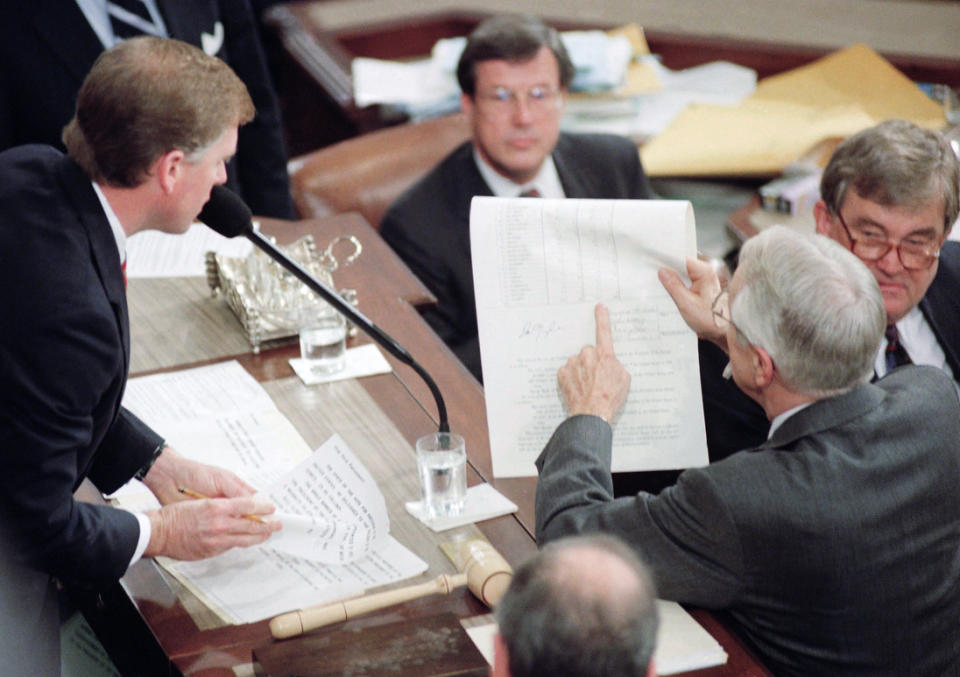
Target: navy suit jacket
{"points": [[429, 225], [834, 546], [64, 355], [735, 422], [47, 48]]}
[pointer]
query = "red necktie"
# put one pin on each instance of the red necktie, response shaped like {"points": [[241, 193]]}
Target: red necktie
{"points": [[896, 354], [530, 192], [123, 270]]}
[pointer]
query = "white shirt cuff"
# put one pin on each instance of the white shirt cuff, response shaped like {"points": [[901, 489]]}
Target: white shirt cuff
{"points": [[144, 539]]}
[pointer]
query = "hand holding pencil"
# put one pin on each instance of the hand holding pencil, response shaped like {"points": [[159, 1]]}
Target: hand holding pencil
{"points": [[206, 510]]}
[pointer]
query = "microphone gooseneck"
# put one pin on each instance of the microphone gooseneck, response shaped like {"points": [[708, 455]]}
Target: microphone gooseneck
{"points": [[229, 216]]}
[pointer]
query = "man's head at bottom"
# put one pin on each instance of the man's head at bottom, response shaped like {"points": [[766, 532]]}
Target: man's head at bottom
{"points": [[583, 605]]}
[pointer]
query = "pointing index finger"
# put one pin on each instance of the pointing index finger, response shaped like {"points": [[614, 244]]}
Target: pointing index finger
{"points": [[604, 333]]}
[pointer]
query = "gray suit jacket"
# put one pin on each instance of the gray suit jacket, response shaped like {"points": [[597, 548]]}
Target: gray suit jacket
{"points": [[429, 225], [835, 545]]}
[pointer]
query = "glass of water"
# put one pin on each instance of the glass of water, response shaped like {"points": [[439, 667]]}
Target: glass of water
{"points": [[323, 334], [442, 462]]}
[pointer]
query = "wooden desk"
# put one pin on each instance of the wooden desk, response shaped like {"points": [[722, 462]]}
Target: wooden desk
{"points": [[157, 633], [312, 62]]}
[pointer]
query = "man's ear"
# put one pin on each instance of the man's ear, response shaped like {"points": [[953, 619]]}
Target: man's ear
{"points": [[467, 106], [821, 214], [168, 169], [763, 368]]}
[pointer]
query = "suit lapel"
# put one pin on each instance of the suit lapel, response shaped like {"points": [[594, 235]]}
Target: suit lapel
{"points": [[570, 178], [466, 182], [941, 309], [103, 248]]}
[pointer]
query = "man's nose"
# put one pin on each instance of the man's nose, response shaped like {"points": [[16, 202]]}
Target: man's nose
{"points": [[890, 262], [522, 112]]}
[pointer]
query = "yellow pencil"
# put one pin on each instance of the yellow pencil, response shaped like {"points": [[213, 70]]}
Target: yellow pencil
{"points": [[196, 494]]}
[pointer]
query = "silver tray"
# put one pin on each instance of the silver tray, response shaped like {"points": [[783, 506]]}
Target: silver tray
{"points": [[265, 297]]}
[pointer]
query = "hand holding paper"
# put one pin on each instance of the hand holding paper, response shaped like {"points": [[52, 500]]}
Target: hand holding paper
{"points": [[172, 472], [696, 302], [594, 382], [197, 529]]}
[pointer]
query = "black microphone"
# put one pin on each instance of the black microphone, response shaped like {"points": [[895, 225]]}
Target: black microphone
{"points": [[228, 215]]}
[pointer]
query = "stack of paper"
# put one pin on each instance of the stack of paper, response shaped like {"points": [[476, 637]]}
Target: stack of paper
{"points": [[789, 114], [335, 541]]}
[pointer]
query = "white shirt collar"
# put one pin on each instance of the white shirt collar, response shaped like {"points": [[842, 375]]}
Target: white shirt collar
{"points": [[547, 181], [780, 418], [118, 234]]}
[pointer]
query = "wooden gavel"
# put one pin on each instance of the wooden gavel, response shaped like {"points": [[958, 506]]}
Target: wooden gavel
{"points": [[483, 570]]}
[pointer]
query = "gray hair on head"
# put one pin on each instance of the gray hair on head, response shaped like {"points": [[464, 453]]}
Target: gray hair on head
{"points": [[896, 164], [813, 306]]}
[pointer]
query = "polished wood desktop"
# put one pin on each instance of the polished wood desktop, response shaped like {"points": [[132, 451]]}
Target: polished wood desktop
{"points": [[149, 619]]}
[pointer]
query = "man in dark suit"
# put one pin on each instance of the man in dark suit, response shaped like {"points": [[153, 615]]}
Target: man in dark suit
{"points": [[890, 195], [834, 546], [47, 47], [513, 73], [65, 344]]}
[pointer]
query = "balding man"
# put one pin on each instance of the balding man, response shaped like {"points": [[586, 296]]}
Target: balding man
{"points": [[584, 606]]}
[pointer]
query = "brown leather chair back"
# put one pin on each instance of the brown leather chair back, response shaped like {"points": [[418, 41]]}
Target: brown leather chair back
{"points": [[367, 173]]}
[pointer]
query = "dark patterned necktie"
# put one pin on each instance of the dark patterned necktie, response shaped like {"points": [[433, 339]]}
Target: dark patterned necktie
{"points": [[130, 18], [896, 355], [530, 192]]}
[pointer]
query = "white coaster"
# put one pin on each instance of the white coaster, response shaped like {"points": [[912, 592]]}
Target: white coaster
{"points": [[365, 360], [483, 502]]}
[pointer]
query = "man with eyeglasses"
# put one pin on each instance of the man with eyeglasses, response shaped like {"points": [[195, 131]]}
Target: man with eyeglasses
{"points": [[890, 195], [834, 545], [513, 73]]}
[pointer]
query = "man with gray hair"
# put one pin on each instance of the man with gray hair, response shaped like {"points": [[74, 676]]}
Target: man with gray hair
{"points": [[835, 544], [584, 606], [890, 195]]}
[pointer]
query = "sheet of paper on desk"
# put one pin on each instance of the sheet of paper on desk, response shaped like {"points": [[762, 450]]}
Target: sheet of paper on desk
{"points": [[331, 508], [154, 254], [540, 267], [249, 585], [219, 414]]}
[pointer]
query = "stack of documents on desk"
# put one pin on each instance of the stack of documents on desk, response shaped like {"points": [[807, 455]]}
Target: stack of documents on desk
{"points": [[788, 115], [151, 253], [335, 542]]}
